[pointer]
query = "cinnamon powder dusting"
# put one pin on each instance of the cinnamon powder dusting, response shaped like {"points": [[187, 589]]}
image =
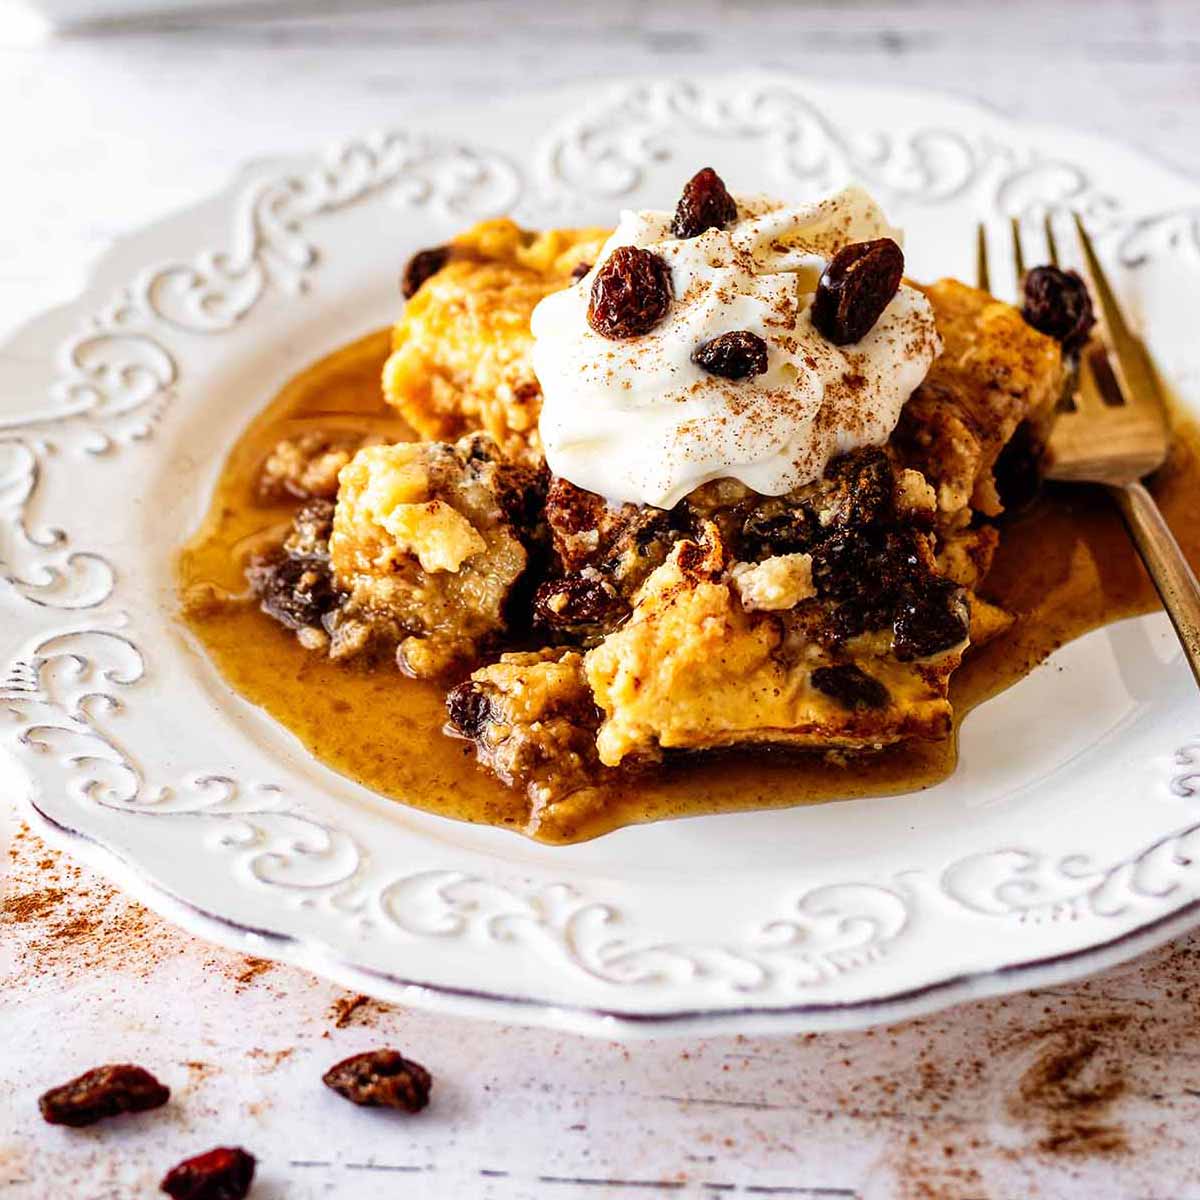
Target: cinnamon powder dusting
{"points": [[62, 924], [357, 1009], [1067, 1091]]}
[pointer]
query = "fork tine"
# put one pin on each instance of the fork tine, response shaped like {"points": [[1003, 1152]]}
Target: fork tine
{"points": [[1051, 244], [1018, 254], [1140, 385], [982, 281]]}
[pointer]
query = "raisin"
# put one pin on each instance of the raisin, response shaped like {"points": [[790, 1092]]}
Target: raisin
{"points": [[422, 266], [852, 617], [468, 708], [852, 560], [296, 591], [736, 355], [855, 288], [630, 294], [1057, 303], [705, 204], [861, 491], [777, 527], [930, 617], [1018, 470], [851, 687], [381, 1079], [311, 529], [224, 1173], [581, 269], [576, 600], [521, 494], [102, 1092]]}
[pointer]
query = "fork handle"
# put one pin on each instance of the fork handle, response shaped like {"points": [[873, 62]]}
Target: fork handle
{"points": [[1173, 577]]}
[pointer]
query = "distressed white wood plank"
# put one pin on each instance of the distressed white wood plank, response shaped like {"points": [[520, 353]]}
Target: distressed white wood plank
{"points": [[1091, 1090]]}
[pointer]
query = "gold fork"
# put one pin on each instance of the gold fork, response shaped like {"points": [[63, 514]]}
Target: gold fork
{"points": [[1116, 433]]}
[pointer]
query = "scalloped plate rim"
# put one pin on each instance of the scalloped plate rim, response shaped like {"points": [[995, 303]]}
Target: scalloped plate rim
{"points": [[585, 1018], [604, 1023]]}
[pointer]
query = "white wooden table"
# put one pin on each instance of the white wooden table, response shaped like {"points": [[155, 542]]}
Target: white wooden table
{"points": [[1084, 1091]]}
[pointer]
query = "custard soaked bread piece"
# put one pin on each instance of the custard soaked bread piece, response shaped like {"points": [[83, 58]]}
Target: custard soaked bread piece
{"points": [[601, 555], [428, 541], [306, 465], [418, 557], [995, 374], [533, 721], [693, 669], [818, 620], [461, 350]]}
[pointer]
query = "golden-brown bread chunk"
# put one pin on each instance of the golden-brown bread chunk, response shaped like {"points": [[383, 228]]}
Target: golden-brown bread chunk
{"points": [[965, 556], [461, 350], [820, 620], [994, 373], [424, 543], [693, 669], [306, 466], [533, 721], [828, 618]]}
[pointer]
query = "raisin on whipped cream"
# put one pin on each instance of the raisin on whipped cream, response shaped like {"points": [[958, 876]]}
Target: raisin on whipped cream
{"points": [[705, 204], [630, 294], [695, 359], [735, 355], [855, 288]]}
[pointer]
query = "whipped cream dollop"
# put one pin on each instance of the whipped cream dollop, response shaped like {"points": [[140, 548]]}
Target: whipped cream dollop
{"points": [[637, 420]]}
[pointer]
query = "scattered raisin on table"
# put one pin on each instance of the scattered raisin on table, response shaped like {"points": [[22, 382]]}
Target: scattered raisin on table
{"points": [[224, 1173], [630, 294], [581, 269], [1058, 304], [469, 711], [736, 355], [422, 266], [381, 1079], [103, 1092], [705, 204], [856, 286], [851, 687]]}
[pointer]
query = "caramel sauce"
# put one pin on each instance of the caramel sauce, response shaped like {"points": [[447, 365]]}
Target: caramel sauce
{"points": [[1064, 567]]}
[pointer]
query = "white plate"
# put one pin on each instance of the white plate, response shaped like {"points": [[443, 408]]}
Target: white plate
{"points": [[1068, 838]]}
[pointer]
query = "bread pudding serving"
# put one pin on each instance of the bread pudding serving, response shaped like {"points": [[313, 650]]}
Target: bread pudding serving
{"points": [[721, 485]]}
